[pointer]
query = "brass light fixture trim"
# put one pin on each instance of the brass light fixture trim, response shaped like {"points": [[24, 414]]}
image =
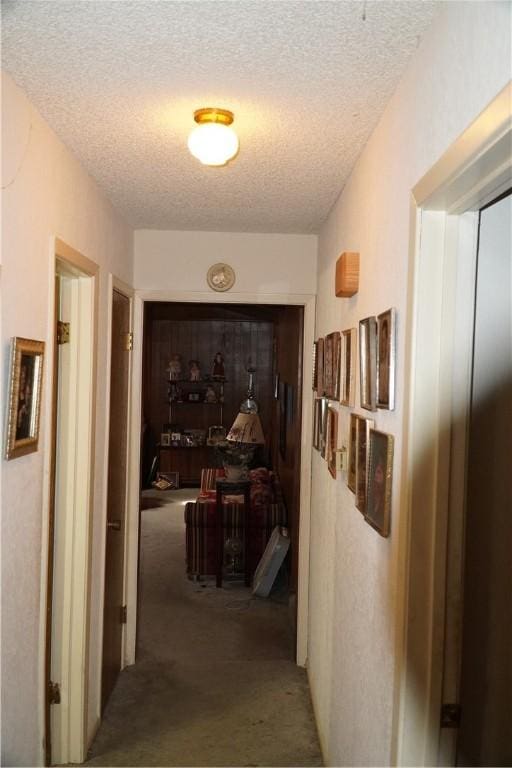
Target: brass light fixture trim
{"points": [[213, 115]]}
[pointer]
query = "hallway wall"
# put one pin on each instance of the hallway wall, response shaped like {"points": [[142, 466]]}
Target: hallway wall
{"points": [[46, 194], [263, 263], [460, 66]]}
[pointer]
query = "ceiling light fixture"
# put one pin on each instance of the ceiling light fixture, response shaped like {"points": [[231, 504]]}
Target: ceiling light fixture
{"points": [[213, 142]]}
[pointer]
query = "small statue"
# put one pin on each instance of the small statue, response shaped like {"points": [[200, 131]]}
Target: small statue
{"points": [[218, 366], [195, 370], [174, 368], [210, 395]]}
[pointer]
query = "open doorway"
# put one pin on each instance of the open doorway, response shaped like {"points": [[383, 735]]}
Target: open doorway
{"points": [[186, 411], [215, 680]]}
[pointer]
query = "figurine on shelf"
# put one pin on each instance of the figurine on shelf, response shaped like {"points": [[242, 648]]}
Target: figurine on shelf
{"points": [[218, 366], [210, 395], [174, 368], [195, 370]]}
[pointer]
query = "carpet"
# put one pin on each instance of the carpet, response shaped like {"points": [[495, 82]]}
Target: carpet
{"points": [[215, 683]]}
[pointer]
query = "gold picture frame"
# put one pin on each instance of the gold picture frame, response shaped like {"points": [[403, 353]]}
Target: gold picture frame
{"points": [[386, 359], [380, 478], [26, 376], [368, 362], [352, 453], [332, 440], [348, 367]]}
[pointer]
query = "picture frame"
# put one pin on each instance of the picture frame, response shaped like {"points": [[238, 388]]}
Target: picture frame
{"points": [[362, 453], [317, 421], [348, 367], [332, 354], [25, 386], [165, 439], [352, 452], [324, 404], [173, 478], [328, 366], [380, 479], [315, 370], [332, 439], [320, 367], [368, 362], [386, 359]]}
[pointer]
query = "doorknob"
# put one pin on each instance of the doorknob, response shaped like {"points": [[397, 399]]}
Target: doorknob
{"points": [[114, 525]]}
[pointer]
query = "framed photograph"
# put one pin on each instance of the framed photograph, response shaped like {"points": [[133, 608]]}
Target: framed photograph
{"points": [[380, 477], [368, 362], [332, 439], [386, 352], [320, 367], [362, 453], [317, 422], [173, 478], [165, 438], [348, 367], [352, 452], [332, 354], [26, 376], [324, 405], [315, 371], [328, 366]]}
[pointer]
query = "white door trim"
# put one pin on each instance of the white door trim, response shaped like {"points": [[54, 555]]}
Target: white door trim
{"points": [[71, 604], [477, 168], [308, 301]]}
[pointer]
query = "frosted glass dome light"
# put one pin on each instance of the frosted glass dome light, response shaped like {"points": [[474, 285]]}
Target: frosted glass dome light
{"points": [[213, 142]]}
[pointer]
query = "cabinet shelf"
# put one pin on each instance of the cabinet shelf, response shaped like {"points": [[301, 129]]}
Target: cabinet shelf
{"points": [[203, 382], [191, 402]]}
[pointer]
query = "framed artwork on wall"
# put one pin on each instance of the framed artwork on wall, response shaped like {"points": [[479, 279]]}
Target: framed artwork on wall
{"points": [[320, 367], [368, 362], [332, 439], [380, 478], [315, 371], [352, 454], [348, 367], [386, 352], [362, 454], [26, 377], [328, 366], [324, 405]]}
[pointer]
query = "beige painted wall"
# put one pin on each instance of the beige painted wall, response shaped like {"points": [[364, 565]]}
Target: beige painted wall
{"points": [[46, 194], [263, 263], [461, 64]]}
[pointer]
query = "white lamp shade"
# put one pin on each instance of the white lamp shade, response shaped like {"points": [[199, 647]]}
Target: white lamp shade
{"points": [[213, 143], [247, 429]]}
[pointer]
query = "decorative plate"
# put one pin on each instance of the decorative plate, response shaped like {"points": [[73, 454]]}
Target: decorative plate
{"points": [[221, 277]]}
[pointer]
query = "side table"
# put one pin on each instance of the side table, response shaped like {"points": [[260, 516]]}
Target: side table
{"points": [[223, 487]]}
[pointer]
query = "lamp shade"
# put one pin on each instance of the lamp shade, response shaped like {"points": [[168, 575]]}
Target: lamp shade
{"points": [[213, 142], [247, 429]]}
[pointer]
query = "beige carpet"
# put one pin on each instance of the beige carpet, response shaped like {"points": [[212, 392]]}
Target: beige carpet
{"points": [[215, 683]]}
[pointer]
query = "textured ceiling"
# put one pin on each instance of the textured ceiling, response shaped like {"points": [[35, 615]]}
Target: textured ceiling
{"points": [[119, 82]]}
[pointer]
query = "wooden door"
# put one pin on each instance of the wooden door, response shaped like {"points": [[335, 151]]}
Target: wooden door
{"points": [[113, 618]]}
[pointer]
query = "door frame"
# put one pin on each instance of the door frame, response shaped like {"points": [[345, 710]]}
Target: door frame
{"points": [[444, 215], [70, 716], [308, 301]]}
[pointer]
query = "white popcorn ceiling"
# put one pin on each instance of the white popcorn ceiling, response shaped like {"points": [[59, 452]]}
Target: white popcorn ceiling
{"points": [[119, 81]]}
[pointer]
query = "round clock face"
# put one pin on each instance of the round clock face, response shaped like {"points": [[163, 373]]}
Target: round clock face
{"points": [[221, 277]]}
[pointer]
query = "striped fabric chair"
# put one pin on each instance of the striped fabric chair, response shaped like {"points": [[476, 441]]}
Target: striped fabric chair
{"points": [[267, 511]]}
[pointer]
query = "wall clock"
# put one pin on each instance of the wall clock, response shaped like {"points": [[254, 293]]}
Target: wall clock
{"points": [[221, 277]]}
